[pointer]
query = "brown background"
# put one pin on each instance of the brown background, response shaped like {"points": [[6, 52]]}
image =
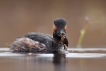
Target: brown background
{"points": [[18, 17]]}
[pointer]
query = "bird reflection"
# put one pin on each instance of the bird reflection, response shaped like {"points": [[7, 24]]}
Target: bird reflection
{"points": [[59, 61]]}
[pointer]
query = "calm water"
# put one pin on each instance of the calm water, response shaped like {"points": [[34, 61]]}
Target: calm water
{"points": [[88, 59]]}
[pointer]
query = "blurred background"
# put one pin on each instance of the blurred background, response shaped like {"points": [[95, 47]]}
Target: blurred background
{"points": [[18, 17]]}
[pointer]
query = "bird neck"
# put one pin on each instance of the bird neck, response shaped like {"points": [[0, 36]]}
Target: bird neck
{"points": [[56, 38], [57, 41]]}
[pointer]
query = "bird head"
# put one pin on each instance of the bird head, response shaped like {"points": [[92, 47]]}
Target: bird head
{"points": [[59, 30]]}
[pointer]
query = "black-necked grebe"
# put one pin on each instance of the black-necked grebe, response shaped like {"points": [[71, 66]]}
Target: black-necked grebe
{"points": [[34, 41]]}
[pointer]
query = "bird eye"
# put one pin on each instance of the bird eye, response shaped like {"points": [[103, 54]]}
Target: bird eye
{"points": [[55, 28]]}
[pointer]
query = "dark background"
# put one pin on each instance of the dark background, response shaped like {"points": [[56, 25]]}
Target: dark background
{"points": [[18, 17]]}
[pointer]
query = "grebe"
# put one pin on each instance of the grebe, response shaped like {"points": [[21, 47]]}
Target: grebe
{"points": [[40, 42]]}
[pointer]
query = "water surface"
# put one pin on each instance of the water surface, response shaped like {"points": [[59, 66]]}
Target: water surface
{"points": [[78, 59]]}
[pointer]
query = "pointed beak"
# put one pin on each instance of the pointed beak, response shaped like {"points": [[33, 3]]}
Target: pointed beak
{"points": [[62, 33], [62, 38]]}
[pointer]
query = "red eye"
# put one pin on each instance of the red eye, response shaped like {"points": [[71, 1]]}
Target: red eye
{"points": [[55, 28]]}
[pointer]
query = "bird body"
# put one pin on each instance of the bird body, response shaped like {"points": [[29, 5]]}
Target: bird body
{"points": [[46, 39], [46, 42]]}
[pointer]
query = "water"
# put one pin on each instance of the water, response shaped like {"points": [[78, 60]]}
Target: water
{"points": [[87, 59]]}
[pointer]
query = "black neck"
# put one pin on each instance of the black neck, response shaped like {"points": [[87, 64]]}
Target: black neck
{"points": [[57, 41], [56, 38]]}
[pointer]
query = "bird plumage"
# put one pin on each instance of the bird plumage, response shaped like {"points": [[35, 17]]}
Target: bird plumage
{"points": [[53, 43]]}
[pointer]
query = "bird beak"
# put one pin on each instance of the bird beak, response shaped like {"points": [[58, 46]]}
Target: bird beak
{"points": [[63, 37], [62, 33]]}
